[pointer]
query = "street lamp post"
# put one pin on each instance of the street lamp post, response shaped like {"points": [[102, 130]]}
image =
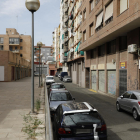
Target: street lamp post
{"points": [[39, 44], [41, 66], [32, 6]]}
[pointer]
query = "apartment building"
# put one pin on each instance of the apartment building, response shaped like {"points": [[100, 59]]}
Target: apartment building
{"points": [[111, 40], [70, 39], [15, 55], [45, 52]]}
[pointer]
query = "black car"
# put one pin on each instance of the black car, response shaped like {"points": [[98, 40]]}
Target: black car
{"points": [[79, 121], [58, 97], [62, 75]]}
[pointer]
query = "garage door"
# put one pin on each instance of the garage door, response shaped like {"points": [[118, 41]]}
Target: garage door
{"points": [[112, 82], [80, 74], [93, 77], [102, 81]]}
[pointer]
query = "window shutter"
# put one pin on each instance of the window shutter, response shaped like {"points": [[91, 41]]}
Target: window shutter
{"points": [[99, 20], [109, 11], [123, 5]]}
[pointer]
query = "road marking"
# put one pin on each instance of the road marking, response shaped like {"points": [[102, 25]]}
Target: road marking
{"points": [[92, 90]]}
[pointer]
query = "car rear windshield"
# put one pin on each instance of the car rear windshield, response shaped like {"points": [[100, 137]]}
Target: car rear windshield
{"points": [[57, 86], [49, 78], [82, 118], [61, 96]]}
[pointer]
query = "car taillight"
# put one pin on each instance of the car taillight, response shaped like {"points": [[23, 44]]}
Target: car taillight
{"points": [[65, 89], [103, 128], [139, 103], [64, 131], [50, 89]]}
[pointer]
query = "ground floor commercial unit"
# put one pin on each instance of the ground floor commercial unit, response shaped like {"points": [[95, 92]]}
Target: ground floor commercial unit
{"points": [[113, 67], [13, 67], [76, 70]]}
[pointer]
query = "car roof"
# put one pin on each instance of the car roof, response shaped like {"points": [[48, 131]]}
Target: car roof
{"points": [[137, 92], [49, 76], [57, 84], [76, 106], [61, 90]]}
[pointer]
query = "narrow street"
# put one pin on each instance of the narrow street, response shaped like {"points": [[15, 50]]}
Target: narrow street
{"points": [[120, 125]]}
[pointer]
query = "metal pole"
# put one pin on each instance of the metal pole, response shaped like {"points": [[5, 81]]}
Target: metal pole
{"points": [[41, 69], [32, 97], [39, 66]]}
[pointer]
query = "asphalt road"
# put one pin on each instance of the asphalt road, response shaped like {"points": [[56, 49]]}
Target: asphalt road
{"points": [[120, 125]]}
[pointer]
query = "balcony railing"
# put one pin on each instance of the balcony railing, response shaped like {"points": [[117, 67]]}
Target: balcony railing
{"points": [[13, 42], [65, 18], [15, 51]]}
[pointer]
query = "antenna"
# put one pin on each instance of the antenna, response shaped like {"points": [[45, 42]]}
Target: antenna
{"points": [[17, 22]]}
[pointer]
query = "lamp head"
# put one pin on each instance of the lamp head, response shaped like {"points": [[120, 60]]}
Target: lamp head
{"points": [[32, 5]]}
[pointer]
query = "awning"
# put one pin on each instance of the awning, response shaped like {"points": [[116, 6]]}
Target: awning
{"points": [[109, 11], [99, 20], [65, 54], [63, 36], [77, 46], [123, 5]]}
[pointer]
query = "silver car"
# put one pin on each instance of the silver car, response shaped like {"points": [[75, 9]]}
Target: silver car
{"points": [[67, 79], [49, 80], [130, 101]]}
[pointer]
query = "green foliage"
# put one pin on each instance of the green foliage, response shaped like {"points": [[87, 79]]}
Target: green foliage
{"points": [[30, 125], [37, 104]]}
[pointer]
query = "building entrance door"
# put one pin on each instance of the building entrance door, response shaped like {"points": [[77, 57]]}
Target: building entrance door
{"points": [[87, 78]]}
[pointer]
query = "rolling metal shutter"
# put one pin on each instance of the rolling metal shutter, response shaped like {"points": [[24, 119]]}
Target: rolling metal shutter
{"points": [[112, 82], [123, 5], [94, 80], [99, 20], [102, 81]]}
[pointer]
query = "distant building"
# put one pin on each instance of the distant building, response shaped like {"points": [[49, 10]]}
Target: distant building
{"points": [[15, 55]]}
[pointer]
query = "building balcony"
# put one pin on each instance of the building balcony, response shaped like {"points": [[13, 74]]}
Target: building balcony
{"points": [[13, 43], [65, 48], [15, 51]]}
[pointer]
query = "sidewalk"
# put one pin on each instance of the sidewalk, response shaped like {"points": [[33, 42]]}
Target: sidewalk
{"points": [[15, 101]]}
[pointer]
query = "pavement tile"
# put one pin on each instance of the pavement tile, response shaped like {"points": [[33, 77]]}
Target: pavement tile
{"points": [[3, 134]]}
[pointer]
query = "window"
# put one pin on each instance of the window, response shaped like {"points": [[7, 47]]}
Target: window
{"points": [[1, 40], [97, 1], [99, 21], [111, 47], [133, 97], [109, 13], [11, 49], [1, 47], [84, 35], [123, 43], [124, 5], [15, 48], [84, 14], [126, 95], [21, 48], [93, 53], [91, 5], [13, 40], [91, 29], [101, 50], [20, 40]]}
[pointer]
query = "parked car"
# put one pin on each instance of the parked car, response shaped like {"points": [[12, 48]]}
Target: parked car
{"points": [[57, 73], [79, 121], [62, 75], [56, 86], [49, 80], [57, 97], [130, 101], [67, 79], [36, 73]]}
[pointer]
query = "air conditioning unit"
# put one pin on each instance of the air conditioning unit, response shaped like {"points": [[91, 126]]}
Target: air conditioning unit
{"points": [[132, 48]]}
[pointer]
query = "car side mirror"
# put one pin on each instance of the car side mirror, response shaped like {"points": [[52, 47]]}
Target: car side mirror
{"points": [[73, 98], [121, 97]]}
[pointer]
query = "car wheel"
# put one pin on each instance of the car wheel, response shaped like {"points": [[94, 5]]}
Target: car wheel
{"points": [[118, 107], [135, 115]]}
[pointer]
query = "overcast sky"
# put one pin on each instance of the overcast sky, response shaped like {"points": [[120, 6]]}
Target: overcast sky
{"points": [[13, 14]]}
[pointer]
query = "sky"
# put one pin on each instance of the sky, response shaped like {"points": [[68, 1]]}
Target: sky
{"points": [[13, 14]]}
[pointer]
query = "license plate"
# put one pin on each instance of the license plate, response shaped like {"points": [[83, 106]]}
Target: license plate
{"points": [[83, 131]]}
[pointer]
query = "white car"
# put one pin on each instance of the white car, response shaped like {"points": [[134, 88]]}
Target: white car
{"points": [[67, 79], [59, 75], [49, 80]]}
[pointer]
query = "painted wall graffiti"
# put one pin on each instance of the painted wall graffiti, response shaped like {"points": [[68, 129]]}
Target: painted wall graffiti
{"points": [[102, 81], [94, 80], [112, 82], [132, 84]]}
